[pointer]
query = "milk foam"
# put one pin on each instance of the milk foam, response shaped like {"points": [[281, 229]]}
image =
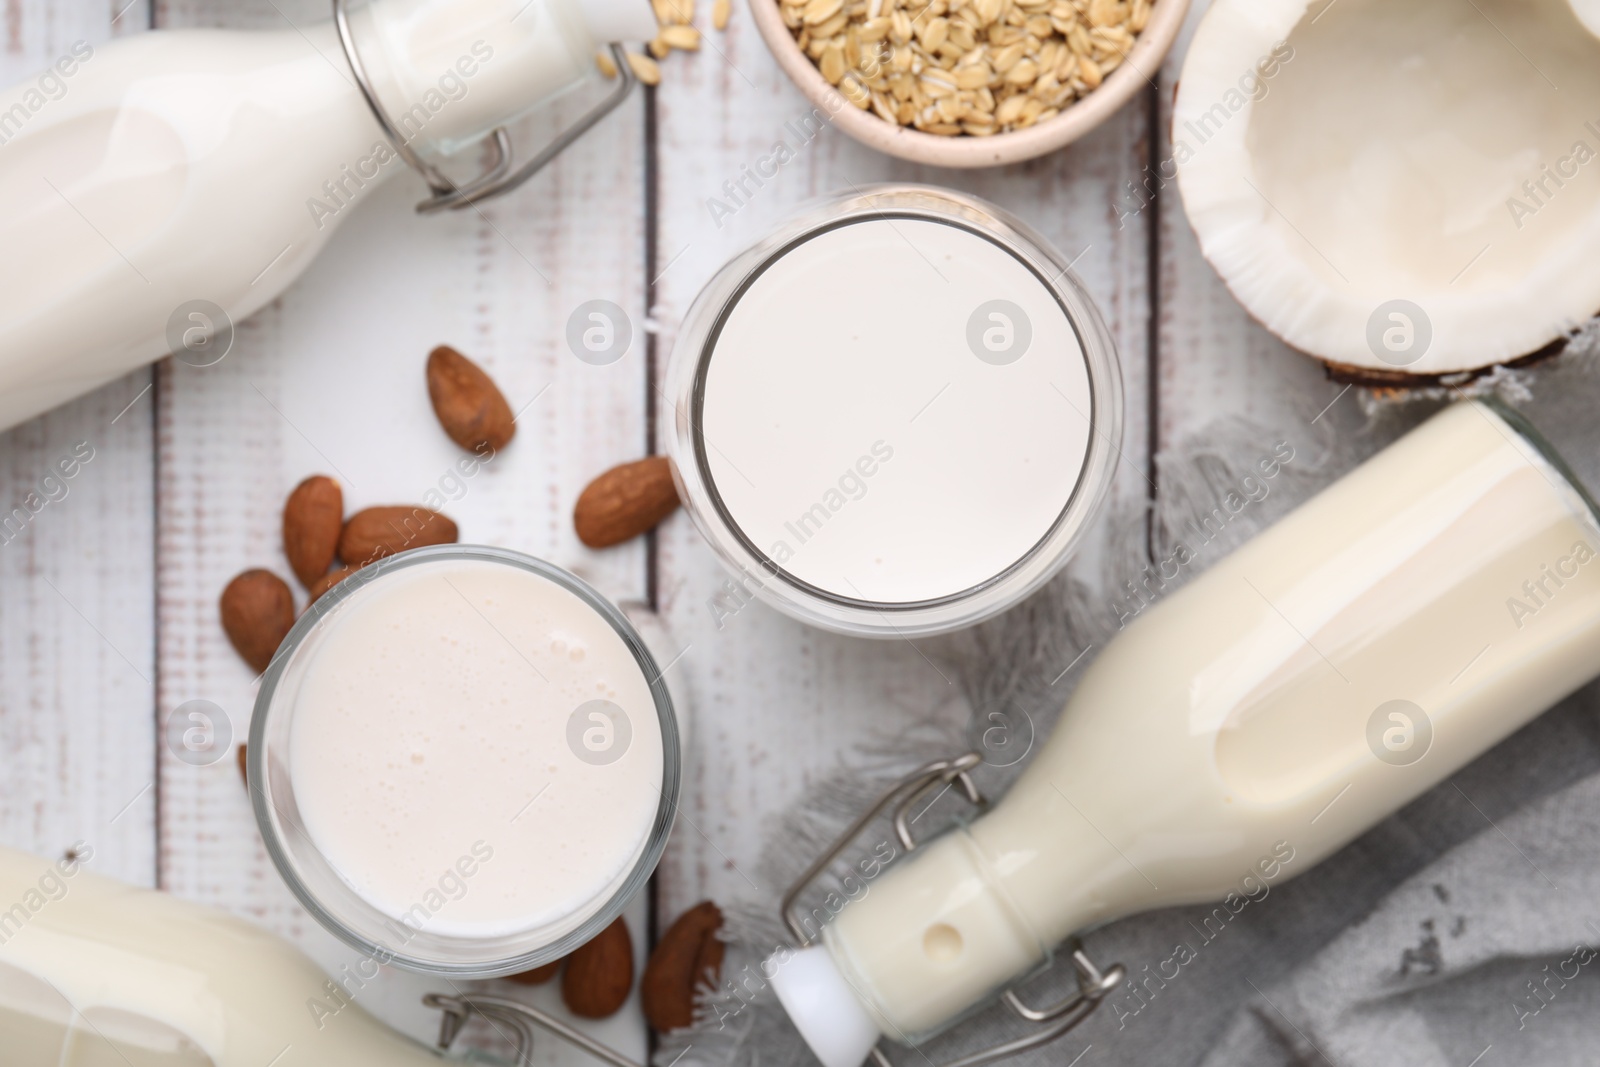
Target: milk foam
{"points": [[434, 722]]}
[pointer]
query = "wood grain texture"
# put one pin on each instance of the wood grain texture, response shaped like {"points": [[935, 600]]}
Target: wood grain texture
{"points": [[779, 704], [111, 592], [330, 378], [77, 664], [1214, 359]]}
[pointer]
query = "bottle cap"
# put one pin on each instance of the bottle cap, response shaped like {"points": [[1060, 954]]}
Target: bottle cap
{"points": [[618, 20], [823, 1007]]}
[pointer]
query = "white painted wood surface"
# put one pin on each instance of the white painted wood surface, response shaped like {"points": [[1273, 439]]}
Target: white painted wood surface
{"points": [[109, 596], [778, 702], [77, 644], [1214, 359], [329, 379]]}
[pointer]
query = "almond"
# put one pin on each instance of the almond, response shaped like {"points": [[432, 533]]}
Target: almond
{"points": [[625, 502], [257, 611], [708, 961], [327, 582], [688, 955], [470, 406], [537, 976], [243, 774], [599, 974], [312, 518], [373, 533]]}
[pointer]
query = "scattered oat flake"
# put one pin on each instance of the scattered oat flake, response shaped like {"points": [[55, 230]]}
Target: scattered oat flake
{"points": [[673, 12], [645, 69], [683, 38]]}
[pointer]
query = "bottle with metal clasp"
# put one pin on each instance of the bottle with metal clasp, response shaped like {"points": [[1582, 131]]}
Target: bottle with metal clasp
{"points": [[162, 187]]}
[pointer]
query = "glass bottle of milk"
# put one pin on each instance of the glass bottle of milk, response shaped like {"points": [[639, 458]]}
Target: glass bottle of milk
{"points": [[160, 185], [1354, 655], [96, 972]]}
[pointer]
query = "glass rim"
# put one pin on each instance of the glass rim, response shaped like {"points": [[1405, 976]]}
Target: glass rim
{"points": [[267, 813], [691, 356]]}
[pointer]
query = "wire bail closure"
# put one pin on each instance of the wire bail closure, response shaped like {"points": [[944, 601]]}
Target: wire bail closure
{"points": [[520, 1019], [498, 178], [1094, 983]]}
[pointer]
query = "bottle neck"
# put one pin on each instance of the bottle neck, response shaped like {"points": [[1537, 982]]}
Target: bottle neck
{"points": [[1569, 441], [450, 71], [932, 939]]}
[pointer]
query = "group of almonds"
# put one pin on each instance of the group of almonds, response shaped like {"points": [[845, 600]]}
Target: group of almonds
{"points": [[974, 67], [675, 19], [257, 606], [596, 978], [258, 611]]}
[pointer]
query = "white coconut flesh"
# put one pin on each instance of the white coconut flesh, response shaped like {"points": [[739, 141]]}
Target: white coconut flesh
{"points": [[1408, 185]]}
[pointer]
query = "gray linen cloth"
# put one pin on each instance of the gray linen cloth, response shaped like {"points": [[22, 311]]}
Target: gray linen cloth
{"points": [[1487, 955]]}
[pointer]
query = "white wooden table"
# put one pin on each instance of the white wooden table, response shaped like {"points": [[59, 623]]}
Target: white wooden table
{"points": [[109, 598]]}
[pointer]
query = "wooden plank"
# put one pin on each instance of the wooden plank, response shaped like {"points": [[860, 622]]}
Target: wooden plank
{"points": [[329, 378], [1212, 362], [77, 664], [779, 704], [1214, 359]]}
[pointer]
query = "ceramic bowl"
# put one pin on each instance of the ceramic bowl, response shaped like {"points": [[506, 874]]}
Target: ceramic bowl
{"points": [[1136, 71]]}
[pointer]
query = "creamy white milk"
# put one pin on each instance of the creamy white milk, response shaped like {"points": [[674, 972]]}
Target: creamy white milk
{"points": [[894, 415], [859, 441], [460, 710], [94, 973], [1347, 659], [144, 174]]}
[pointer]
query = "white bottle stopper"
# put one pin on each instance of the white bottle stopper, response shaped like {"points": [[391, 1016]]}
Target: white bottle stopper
{"points": [[823, 1007]]}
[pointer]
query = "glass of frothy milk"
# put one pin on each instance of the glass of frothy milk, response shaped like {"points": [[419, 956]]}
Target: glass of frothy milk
{"points": [[894, 416], [464, 760]]}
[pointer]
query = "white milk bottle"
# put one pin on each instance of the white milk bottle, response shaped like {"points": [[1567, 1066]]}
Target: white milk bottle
{"points": [[95, 973], [163, 186], [1344, 661]]}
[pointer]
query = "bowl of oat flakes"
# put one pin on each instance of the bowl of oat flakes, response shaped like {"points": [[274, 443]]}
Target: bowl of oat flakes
{"points": [[969, 83]]}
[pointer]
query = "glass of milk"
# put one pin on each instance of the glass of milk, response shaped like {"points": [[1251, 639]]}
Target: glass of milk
{"points": [[464, 761], [896, 415]]}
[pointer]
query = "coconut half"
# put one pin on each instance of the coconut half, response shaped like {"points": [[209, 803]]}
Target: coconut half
{"points": [[1407, 187]]}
